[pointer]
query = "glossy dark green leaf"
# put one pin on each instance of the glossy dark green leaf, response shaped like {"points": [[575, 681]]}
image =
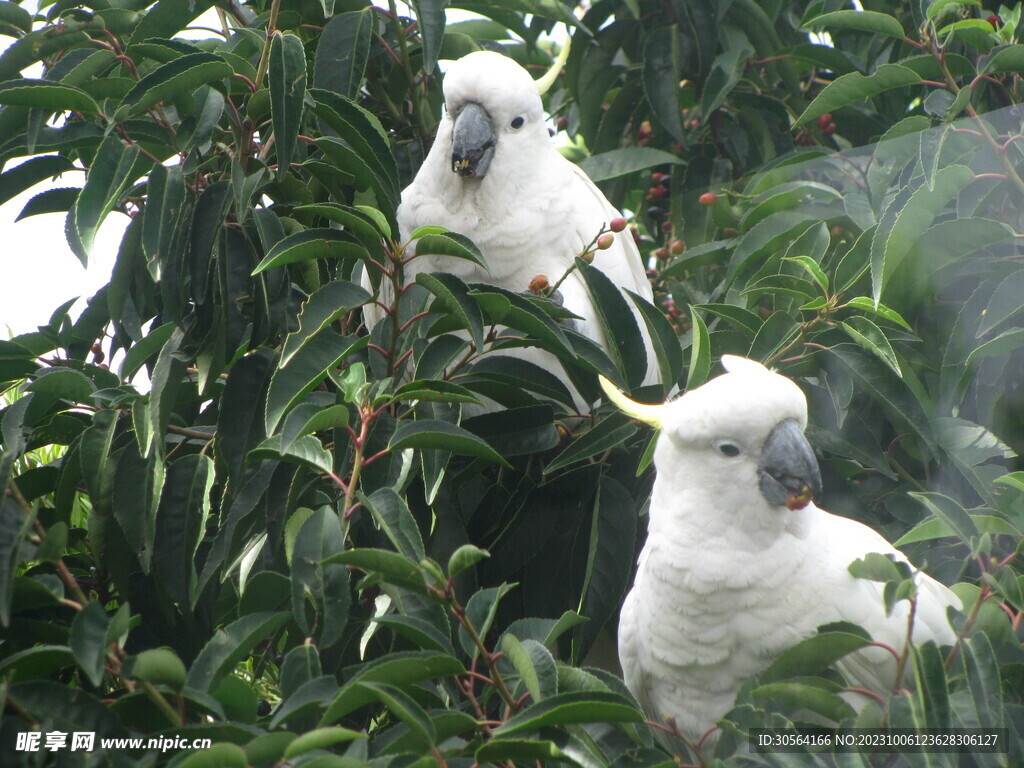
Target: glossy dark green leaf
{"points": [[662, 65], [394, 518], [29, 173], [287, 78], [306, 451], [700, 352], [137, 487], [449, 244], [619, 162], [15, 527], [572, 708], [622, 334], [46, 95], [63, 384], [110, 175], [861, 20], [794, 697], [606, 434], [89, 640], [319, 310], [873, 339], [326, 585], [307, 367], [398, 669], [182, 75], [432, 434], [813, 655], [453, 295], [951, 512], [533, 663], [725, 71], [312, 244], [404, 707], [431, 17], [229, 645], [481, 610], [390, 566], [854, 86], [343, 52], [181, 524]]}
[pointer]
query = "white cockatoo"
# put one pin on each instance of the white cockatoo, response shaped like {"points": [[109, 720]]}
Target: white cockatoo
{"points": [[739, 563], [494, 175]]}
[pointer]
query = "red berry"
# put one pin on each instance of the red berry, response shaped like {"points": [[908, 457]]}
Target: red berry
{"points": [[588, 256], [661, 254], [829, 129], [695, 123], [995, 21], [824, 120], [617, 224], [708, 198], [656, 193], [804, 140], [678, 247], [604, 242], [666, 227], [539, 284], [656, 177]]}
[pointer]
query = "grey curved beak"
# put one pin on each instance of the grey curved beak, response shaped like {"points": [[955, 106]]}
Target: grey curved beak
{"points": [[473, 141], [788, 473]]}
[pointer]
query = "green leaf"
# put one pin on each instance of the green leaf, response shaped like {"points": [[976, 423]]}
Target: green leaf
{"points": [[310, 365], [113, 170], [305, 450], [622, 334], [449, 244], [343, 51], [312, 244], [481, 610], [465, 557], [390, 566], [700, 352], [46, 95], [138, 485], [159, 666], [864, 304], [570, 709], [951, 513], [619, 162], [167, 82], [889, 247], [796, 697], [784, 197], [533, 663], [431, 17], [496, 751], [392, 514], [662, 62], [873, 339], [181, 524], [610, 556], [320, 738], [606, 434], [319, 310], [876, 567], [15, 527], [668, 352], [229, 645], [862, 21], [1007, 300], [453, 295], [813, 655], [936, 528], [63, 384], [287, 80], [404, 707], [938, 6], [326, 585], [29, 173], [89, 640], [854, 87], [726, 70], [813, 269], [168, 373], [1006, 59], [431, 434]]}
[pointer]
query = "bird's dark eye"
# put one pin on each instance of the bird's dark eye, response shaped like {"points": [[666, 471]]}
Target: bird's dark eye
{"points": [[729, 450], [517, 122]]}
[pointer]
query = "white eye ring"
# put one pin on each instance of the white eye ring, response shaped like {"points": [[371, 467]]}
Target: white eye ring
{"points": [[517, 122], [727, 449]]}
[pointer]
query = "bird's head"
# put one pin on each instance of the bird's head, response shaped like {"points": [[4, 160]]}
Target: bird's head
{"points": [[496, 113], [745, 426]]}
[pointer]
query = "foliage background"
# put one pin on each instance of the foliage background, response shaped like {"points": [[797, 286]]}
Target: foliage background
{"points": [[277, 545]]}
